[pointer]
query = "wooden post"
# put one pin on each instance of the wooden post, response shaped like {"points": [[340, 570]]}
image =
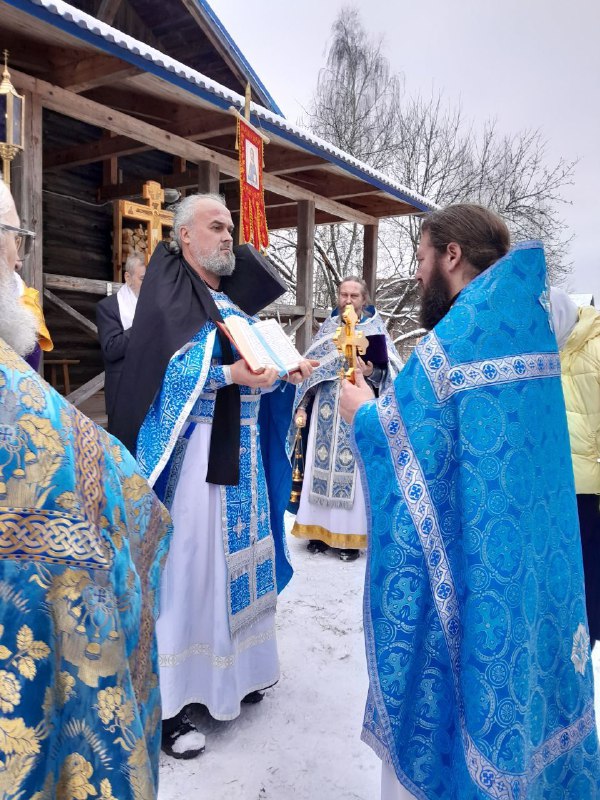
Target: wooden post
{"points": [[110, 171], [28, 193], [208, 177], [370, 242], [305, 249]]}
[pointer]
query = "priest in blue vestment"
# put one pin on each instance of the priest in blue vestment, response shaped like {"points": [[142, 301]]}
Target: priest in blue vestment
{"points": [[190, 410], [332, 512], [82, 540], [478, 651]]}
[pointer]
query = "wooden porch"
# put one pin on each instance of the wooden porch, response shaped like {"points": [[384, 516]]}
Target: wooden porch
{"points": [[105, 113]]}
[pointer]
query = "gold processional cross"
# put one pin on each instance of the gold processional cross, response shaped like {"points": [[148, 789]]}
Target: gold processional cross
{"points": [[153, 215], [350, 342]]}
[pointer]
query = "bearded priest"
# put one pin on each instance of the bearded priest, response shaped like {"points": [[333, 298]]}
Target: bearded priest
{"points": [[481, 681]]}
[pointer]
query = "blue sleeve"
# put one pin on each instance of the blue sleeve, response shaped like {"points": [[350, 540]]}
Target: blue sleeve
{"points": [[218, 377]]}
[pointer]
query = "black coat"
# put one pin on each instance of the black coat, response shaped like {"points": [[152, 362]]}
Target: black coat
{"points": [[173, 305], [114, 342]]}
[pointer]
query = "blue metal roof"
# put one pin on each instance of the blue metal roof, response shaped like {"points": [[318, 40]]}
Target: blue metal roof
{"points": [[86, 28]]}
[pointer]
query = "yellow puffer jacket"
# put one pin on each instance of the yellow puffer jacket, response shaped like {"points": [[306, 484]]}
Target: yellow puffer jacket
{"points": [[580, 363]]}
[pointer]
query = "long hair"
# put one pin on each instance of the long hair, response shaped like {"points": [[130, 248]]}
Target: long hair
{"points": [[482, 235]]}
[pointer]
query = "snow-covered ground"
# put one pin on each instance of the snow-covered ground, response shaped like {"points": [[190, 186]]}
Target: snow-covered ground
{"points": [[303, 741]]}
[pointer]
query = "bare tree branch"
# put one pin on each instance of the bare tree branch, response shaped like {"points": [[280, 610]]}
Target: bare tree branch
{"points": [[427, 145]]}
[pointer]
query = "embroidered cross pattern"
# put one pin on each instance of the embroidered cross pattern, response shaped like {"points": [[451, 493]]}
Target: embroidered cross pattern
{"points": [[446, 380]]}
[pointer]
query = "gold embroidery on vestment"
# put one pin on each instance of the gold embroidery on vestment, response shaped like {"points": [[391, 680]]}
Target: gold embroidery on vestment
{"points": [[32, 534]]}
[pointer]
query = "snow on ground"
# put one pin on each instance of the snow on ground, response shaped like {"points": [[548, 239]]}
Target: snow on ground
{"points": [[303, 741]]}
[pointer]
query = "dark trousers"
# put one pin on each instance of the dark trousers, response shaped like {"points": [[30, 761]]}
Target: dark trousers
{"points": [[588, 507]]}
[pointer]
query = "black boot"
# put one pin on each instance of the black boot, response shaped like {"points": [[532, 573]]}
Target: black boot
{"points": [[253, 698], [316, 546], [181, 738], [349, 555]]}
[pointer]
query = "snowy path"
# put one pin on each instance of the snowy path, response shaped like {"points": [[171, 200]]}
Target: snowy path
{"points": [[303, 741]]}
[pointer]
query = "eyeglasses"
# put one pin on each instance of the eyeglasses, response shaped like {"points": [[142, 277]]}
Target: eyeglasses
{"points": [[23, 239]]}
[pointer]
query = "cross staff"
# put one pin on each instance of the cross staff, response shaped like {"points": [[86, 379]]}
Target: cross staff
{"points": [[350, 342], [153, 214]]}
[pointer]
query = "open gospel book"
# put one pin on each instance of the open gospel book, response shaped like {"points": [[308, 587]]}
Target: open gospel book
{"points": [[263, 344]]}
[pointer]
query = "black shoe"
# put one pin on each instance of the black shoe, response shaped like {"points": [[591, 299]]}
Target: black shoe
{"points": [[316, 546], [173, 742], [253, 698], [349, 555]]}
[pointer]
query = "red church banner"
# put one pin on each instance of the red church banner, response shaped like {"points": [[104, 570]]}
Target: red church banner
{"points": [[253, 221]]}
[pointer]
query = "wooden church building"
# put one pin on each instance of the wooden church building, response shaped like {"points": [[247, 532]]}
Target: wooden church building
{"points": [[122, 92]]}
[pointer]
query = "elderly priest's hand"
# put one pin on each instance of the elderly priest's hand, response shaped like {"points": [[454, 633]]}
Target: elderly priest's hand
{"points": [[353, 396], [243, 376], [305, 370]]}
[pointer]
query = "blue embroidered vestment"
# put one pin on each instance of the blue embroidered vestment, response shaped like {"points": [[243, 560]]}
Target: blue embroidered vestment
{"points": [[332, 473], [253, 535], [477, 646], [82, 541]]}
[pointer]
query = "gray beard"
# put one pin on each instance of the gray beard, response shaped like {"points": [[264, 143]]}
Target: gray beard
{"points": [[219, 263], [18, 326]]}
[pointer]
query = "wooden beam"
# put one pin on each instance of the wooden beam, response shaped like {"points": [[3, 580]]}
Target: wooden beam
{"points": [[86, 391], [292, 327], [129, 20], [188, 179], [174, 180], [333, 185], [89, 73], [305, 270], [90, 286], [30, 190], [81, 108], [351, 196], [90, 152], [208, 177], [131, 101], [382, 205], [288, 161], [110, 171], [107, 11], [287, 217], [370, 244], [66, 283], [80, 154], [81, 321], [285, 311]]}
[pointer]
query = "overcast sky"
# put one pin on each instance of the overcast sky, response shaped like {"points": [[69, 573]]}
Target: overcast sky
{"points": [[529, 63]]}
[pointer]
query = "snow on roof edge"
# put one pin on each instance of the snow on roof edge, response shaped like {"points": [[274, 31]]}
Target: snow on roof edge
{"points": [[94, 26]]}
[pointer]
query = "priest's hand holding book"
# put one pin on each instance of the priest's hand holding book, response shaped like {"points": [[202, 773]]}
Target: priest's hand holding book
{"points": [[244, 376], [303, 371], [267, 353]]}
